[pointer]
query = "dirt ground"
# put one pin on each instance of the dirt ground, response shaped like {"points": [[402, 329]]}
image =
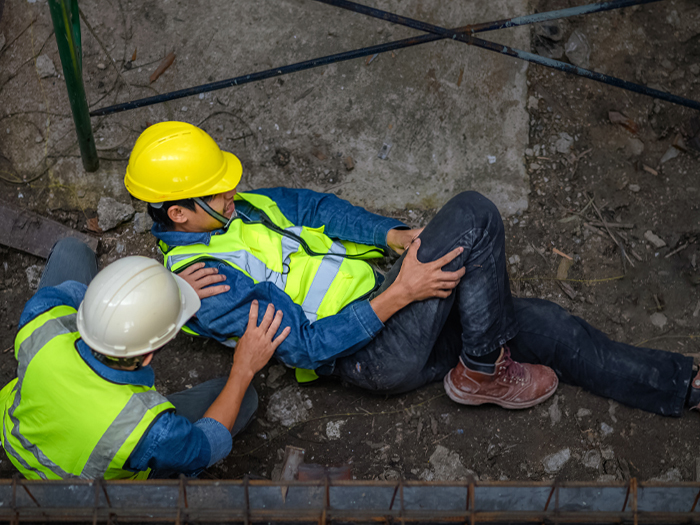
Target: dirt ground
{"points": [[598, 169]]}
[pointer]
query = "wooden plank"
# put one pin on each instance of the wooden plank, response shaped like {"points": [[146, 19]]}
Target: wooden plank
{"points": [[26, 231]]}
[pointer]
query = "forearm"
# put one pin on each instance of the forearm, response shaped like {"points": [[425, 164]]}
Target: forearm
{"points": [[389, 302], [225, 408]]}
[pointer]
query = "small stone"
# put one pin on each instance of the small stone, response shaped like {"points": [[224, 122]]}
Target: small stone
{"points": [[554, 411], [529, 152], [578, 50], [288, 406], [674, 19], [514, 260], [333, 429], [552, 30], [533, 102], [605, 429], [349, 163], [274, 374], [38, 139], [671, 153], [658, 319], [592, 459], [583, 412], [142, 222], [634, 188], [183, 109], [34, 275], [672, 475], [694, 68], [654, 239], [635, 147], [607, 478], [447, 466], [554, 462], [120, 247], [564, 143], [45, 66], [112, 213], [608, 453], [101, 66]]}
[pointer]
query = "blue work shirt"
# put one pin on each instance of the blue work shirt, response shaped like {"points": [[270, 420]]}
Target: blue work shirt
{"points": [[172, 444], [315, 345]]}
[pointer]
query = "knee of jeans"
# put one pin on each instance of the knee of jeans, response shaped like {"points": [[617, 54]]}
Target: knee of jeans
{"points": [[482, 213], [73, 246], [250, 403]]}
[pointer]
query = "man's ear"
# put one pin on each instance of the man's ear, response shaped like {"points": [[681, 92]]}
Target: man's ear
{"points": [[177, 214], [147, 360]]}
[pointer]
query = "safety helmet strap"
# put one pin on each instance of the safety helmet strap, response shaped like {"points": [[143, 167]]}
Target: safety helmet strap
{"points": [[213, 213]]}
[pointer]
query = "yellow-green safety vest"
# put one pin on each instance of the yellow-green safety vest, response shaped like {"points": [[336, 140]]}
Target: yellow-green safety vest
{"points": [[61, 420], [321, 284]]}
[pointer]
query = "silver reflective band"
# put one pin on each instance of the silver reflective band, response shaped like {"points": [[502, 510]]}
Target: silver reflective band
{"points": [[27, 351], [116, 435], [246, 262], [326, 273]]}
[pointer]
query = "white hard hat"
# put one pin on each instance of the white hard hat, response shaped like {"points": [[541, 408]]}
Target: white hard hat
{"points": [[133, 307]]}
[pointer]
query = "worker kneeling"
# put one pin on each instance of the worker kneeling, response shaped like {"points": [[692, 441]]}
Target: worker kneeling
{"points": [[84, 403]]}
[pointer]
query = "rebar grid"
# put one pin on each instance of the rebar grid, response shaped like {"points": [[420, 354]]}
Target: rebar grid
{"points": [[324, 502]]}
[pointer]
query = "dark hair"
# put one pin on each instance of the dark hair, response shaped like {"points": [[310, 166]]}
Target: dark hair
{"points": [[160, 215], [120, 362]]}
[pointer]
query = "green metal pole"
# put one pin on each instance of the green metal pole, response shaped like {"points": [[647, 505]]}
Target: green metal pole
{"points": [[66, 24]]}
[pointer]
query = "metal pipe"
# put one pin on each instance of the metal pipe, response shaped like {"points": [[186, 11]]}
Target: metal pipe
{"points": [[193, 501], [516, 53], [366, 51], [66, 24]]}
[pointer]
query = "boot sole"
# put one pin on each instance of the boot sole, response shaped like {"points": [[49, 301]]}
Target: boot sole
{"points": [[475, 399]]}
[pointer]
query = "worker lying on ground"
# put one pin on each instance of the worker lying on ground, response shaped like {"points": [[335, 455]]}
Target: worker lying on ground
{"points": [[84, 405], [443, 312]]}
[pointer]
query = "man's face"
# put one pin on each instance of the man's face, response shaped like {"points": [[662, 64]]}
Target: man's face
{"points": [[199, 220]]}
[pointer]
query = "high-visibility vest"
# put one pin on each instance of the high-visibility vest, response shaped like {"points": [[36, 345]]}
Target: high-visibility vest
{"points": [[322, 282], [60, 419]]}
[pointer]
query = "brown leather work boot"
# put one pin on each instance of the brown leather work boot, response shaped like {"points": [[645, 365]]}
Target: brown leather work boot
{"points": [[512, 385]]}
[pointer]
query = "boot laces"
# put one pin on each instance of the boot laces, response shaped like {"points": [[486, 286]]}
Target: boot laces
{"points": [[513, 372]]}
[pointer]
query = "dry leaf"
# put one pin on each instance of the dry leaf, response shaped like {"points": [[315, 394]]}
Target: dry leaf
{"points": [[165, 64]]}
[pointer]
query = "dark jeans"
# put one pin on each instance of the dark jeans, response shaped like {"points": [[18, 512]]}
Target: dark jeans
{"points": [[424, 341], [73, 260]]}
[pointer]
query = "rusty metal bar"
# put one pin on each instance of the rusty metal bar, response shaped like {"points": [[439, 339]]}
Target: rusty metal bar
{"points": [[195, 501], [366, 51], [469, 39]]}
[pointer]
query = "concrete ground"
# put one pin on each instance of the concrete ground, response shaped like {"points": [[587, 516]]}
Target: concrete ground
{"points": [[540, 144]]}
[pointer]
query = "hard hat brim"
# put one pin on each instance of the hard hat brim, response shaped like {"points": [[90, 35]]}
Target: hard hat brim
{"points": [[232, 173], [230, 179]]}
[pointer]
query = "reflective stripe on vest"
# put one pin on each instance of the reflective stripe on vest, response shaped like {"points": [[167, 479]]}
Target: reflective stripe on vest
{"points": [[44, 345], [244, 246]]}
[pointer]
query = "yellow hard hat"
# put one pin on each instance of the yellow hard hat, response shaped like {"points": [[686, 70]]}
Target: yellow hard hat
{"points": [[176, 160], [133, 307]]}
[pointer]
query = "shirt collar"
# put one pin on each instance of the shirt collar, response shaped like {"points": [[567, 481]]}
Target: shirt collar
{"points": [[142, 377], [173, 238]]}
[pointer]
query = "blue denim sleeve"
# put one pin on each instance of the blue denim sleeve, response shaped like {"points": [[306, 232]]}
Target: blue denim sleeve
{"points": [[341, 219], [309, 345], [69, 293], [174, 445]]}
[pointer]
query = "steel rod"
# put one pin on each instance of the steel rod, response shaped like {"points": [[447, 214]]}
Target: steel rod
{"points": [[507, 50], [367, 51], [66, 24]]}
